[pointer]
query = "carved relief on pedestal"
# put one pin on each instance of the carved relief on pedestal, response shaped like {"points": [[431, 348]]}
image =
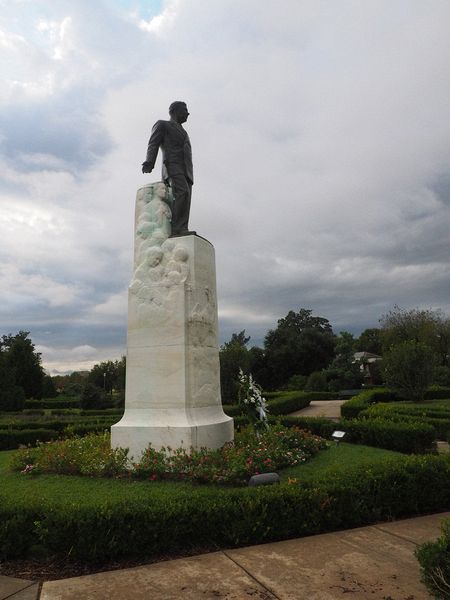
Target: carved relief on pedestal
{"points": [[160, 265], [153, 219], [202, 316], [204, 376], [158, 282]]}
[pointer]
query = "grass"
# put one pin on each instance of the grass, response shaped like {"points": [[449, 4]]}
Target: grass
{"points": [[343, 457], [61, 489]]}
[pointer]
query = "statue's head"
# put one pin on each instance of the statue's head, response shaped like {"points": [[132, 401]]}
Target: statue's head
{"points": [[160, 191], [178, 111]]}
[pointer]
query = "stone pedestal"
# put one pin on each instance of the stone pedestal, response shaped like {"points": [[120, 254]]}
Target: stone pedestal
{"points": [[172, 395]]}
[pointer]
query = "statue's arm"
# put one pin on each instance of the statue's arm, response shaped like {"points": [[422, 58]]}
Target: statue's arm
{"points": [[155, 141]]}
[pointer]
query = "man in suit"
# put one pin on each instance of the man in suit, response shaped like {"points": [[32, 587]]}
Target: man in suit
{"points": [[177, 163]]}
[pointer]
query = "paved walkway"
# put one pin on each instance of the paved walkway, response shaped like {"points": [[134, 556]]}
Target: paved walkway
{"points": [[375, 562], [321, 408]]}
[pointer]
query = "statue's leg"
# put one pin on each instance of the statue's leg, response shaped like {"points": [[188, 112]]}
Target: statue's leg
{"points": [[181, 190]]}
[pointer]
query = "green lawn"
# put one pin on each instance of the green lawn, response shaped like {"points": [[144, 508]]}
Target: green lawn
{"points": [[338, 458], [85, 490]]}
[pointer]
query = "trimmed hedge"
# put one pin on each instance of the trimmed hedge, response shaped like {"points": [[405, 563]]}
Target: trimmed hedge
{"points": [[106, 411], [407, 437], [281, 403], [53, 403], [316, 425], [355, 405], [439, 420], [165, 521], [31, 433], [11, 439], [57, 425]]}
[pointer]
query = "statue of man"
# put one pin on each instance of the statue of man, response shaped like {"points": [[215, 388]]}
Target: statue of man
{"points": [[177, 163]]}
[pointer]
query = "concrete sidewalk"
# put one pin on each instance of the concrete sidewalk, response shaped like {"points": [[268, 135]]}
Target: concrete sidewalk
{"points": [[321, 408], [375, 562]]}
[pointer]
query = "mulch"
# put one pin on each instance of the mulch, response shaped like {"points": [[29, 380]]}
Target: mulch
{"points": [[57, 568]]}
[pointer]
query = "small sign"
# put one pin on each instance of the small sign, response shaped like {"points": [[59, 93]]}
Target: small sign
{"points": [[338, 435]]}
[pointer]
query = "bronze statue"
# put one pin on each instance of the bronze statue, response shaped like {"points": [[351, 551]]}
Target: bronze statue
{"points": [[177, 163]]}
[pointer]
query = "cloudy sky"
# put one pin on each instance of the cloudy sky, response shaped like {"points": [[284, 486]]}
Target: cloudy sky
{"points": [[321, 140]]}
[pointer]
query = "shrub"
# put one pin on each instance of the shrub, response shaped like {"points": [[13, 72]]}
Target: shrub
{"points": [[411, 437], [437, 392], [437, 417], [355, 405], [169, 521], [409, 368], [288, 402], [408, 437], [281, 403], [296, 382], [58, 402], [10, 439], [434, 558], [441, 376], [317, 382], [318, 425]]}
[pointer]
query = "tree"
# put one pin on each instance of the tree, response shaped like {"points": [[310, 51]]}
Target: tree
{"points": [[23, 360], [317, 382], [409, 368], [108, 375], [12, 396], [48, 387], [344, 372], [71, 384], [92, 396], [233, 355], [301, 344], [369, 341], [430, 327]]}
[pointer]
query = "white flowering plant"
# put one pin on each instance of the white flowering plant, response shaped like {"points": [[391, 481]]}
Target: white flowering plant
{"points": [[250, 396]]}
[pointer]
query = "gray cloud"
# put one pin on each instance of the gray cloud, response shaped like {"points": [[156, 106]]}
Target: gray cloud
{"points": [[321, 147]]}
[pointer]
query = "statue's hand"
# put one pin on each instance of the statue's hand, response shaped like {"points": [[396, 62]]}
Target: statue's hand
{"points": [[146, 168]]}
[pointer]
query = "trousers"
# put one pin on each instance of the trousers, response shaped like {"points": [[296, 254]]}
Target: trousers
{"points": [[181, 190]]}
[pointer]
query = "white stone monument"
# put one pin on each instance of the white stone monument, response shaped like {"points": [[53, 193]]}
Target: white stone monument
{"points": [[172, 393]]}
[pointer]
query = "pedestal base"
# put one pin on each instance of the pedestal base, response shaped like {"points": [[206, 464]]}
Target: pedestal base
{"points": [[198, 428]]}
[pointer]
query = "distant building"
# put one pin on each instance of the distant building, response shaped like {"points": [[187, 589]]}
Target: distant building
{"points": [[365, 360]]}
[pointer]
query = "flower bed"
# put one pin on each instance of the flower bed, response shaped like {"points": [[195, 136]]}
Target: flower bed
{"points": [[248, 455]]}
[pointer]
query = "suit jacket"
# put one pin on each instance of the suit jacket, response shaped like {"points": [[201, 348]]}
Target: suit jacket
{"points": [[176, 149]]}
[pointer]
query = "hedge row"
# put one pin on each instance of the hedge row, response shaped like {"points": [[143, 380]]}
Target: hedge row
{"points": [[353, 407], [53, 403], [440, 411], [282, 403], [408, 437], [104, 411], [440, 424], [57, 425], [59, 402], [9, 440], [171, 522], [13, 438]]}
